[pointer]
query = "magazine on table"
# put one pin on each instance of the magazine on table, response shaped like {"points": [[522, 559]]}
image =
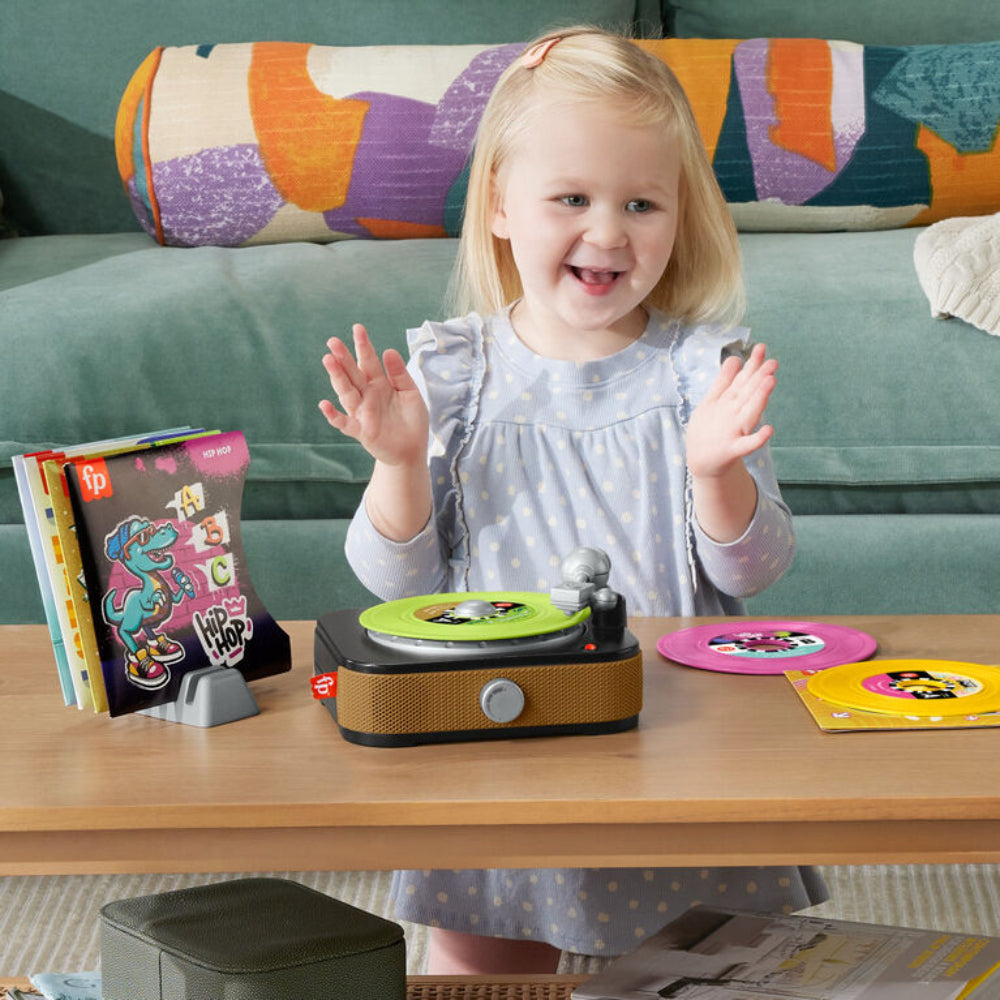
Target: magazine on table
{"points": [[717, 954]]}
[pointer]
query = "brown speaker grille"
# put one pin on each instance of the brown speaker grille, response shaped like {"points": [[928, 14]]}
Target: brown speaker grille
{"points": [[448, 700]]}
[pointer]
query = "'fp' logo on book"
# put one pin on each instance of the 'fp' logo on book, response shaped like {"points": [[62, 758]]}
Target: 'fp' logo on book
{"points": [[94, 479]]}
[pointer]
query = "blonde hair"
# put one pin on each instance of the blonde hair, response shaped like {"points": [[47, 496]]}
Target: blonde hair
{"points": [[703, 280]]}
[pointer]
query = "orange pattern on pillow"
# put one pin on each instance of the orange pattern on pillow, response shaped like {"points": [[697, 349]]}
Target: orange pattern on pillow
{"points": [[129, 110], [964, 183], [704, 68], [307, 139], [394, 229], [800, 79]]}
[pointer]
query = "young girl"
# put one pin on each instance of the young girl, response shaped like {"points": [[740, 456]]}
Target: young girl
{"points": [[599, 395]]}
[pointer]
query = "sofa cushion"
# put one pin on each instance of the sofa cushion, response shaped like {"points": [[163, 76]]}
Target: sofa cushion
{"points": [[905, 565], [149, 336], [879, 408], [886, 22], [64, 65]]}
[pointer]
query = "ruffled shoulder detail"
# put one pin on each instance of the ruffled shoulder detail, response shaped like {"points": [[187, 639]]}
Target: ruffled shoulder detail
{"points": [[698, 353], [447, 363]]}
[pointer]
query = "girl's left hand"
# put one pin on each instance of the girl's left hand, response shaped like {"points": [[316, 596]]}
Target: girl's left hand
{"points": [[724, 426], [382, 407]]}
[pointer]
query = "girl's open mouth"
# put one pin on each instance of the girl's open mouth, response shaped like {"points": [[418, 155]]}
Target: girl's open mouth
{"points": [[595, 278]]}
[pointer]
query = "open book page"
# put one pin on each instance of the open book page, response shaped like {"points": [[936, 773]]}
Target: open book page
{"points": [[711, 954]]}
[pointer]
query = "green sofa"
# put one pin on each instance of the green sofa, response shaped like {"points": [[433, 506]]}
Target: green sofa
{"points": [[886, 448]]}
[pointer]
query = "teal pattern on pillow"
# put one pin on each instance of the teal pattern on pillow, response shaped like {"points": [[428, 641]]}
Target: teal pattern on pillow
{"points": [[953, 89]]}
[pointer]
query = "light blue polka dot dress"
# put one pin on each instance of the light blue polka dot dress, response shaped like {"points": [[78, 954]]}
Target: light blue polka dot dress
{"points": [[530, 457]]}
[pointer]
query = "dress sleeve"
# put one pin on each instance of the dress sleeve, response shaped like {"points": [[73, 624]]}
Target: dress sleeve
{"points": [[389, 569], [446, 362], [757, 559], [764, 552]]}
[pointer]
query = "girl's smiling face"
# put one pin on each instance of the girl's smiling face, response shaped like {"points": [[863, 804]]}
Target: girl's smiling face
{"points": [[589, 204]]}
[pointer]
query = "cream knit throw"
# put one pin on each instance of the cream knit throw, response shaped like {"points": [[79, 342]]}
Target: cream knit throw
{"points": [[958, 264]]}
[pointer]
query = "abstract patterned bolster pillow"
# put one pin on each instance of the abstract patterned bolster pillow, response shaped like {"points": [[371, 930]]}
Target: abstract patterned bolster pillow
{"points": [[268, 142]]}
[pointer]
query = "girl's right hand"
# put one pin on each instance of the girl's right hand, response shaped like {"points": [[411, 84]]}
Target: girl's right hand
{"points": [[381, 407]]}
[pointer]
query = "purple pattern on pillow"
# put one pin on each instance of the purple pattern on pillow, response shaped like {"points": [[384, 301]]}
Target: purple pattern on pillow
{"points": [[218, 197], [398, 173], [411, 152], [140, 206], [459, 111], [782, 174]]}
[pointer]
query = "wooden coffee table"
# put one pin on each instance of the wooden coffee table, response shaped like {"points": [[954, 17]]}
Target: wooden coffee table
{"points": [[723, 769]]}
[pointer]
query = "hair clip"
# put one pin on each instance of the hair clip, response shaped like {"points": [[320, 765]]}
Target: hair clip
{"points": [[534, 56]]}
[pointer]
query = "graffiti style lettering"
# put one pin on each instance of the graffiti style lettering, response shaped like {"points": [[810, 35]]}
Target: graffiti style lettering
{"points": [[224, 630], [210, 532], [214, 533], [188, 501], [219, 572]]}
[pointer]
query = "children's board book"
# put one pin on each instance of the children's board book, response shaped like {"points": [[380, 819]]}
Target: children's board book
{"points": [[54, 579], [718, 954], [164, 587]]}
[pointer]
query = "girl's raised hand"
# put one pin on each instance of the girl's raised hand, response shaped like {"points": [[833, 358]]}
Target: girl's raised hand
{"points": [[380, 405], [724, 426]]}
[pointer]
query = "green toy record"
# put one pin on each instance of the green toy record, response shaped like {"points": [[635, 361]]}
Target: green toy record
{"points": [[469, 617]]}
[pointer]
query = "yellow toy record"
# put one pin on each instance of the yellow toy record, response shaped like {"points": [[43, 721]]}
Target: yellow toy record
{"points": [[901, 694]]}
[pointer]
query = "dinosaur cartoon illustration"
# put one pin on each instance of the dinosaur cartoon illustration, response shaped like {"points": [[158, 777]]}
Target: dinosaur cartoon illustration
{"points": [[142, 547]]}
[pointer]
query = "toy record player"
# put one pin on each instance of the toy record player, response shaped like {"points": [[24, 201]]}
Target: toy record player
{"points": [[475, 666]]}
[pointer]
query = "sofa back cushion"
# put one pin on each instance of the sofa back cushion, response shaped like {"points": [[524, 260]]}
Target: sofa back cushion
{"points": [[64, 66], [870, 22]]}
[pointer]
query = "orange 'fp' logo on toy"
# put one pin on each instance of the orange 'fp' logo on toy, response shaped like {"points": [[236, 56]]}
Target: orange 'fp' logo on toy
{"points": [[324, 685]]}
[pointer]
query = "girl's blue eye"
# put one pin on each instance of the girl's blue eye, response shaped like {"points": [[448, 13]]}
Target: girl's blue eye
{"points": [[639, 205], [574, 200]]}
